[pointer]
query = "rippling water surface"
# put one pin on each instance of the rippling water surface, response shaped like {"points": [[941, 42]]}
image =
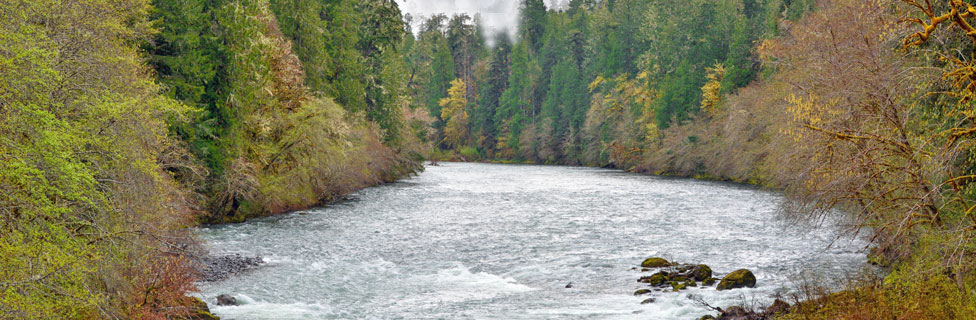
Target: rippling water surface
{"points": [[479, 241]]}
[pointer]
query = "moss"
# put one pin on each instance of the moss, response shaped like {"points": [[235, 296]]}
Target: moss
{"points": [[677, 286], [701, 272], [198, 310], [709, 281], [642, 291], [691, 283], [203, 315], [657, 279], [738, 279], [655, 262]]}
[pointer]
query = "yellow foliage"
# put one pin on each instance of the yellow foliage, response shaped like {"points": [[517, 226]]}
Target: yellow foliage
{"points": [[596, 83], [712, 90], [454, 114]]}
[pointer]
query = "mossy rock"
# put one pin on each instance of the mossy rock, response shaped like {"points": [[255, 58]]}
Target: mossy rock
{"points": [[691, 283], [642, 291], [701, 272], [676, 286], [198, 310], [655, 262], [648, 300], [707, 317], [656, 279], [737, 279], [709, 281]]}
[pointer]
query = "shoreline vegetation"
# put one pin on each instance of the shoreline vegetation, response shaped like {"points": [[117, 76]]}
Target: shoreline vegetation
{"points": [[123, 123]]}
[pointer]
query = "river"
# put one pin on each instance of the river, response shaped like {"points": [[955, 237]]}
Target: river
{"points": [[483, 241]]}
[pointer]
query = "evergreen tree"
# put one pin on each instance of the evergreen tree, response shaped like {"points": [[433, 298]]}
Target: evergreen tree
{"points": [[532, 20], [495, 83]]}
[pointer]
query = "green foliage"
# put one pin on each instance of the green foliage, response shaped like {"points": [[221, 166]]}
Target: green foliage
{"points": [[86, 207], [532, 19]]}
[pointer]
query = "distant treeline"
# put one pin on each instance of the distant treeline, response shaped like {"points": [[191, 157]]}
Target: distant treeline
{"points": [[591, 83]]}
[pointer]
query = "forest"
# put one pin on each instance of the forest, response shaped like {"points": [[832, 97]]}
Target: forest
{"points": [[123, 123]]}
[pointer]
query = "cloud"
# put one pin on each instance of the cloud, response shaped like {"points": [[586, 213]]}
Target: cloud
{"points": [[498, 15]]}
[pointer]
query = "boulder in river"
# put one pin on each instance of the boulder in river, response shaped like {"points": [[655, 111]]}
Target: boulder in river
{"points": [[226, 300], [737, 279], [709, 282], [655, 262], [686, 274], [656, 279], [678, 286], [648, 300], [642, 291], [701, 272]]}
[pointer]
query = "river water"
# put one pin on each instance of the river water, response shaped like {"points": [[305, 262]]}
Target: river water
{"points": [[481, 241]]}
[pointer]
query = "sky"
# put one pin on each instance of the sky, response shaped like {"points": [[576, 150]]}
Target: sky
{"points": [[496, 14]]}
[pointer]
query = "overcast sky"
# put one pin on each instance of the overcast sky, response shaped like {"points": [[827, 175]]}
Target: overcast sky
{"points": [[497, 14]]}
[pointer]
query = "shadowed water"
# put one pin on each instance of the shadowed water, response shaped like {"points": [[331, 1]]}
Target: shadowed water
{"points": [[480, 241]]}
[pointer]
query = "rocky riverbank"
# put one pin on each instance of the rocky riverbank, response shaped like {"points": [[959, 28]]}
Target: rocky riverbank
{"points": [[671, 276], [222, 267]]}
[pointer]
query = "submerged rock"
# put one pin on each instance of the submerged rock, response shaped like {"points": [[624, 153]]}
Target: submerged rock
{"points": [[226, 300], [642, 291], [648, 300], [569, 285], [737, 279], [655, 262]]}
